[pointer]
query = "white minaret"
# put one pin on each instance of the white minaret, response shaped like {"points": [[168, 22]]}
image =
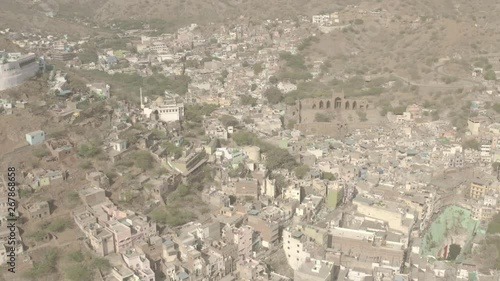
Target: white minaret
{"points": [[142, 104]]}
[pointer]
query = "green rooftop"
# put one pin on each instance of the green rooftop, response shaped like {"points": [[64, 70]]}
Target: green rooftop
{"points": [[452, 222]]}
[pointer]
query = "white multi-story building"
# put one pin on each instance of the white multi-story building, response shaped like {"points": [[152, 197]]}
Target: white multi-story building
{"points": [[166, 109], [295, 250], [16, 68]]}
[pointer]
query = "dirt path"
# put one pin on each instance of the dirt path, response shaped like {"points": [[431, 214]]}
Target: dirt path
{"points": [[52, 243], [433, 85]]}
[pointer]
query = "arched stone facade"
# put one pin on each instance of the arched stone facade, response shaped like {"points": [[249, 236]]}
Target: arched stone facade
{"points": [[305, 110]]}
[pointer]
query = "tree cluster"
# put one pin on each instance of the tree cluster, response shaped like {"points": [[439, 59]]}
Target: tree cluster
{"points": [[277, 158], [273, 95]]}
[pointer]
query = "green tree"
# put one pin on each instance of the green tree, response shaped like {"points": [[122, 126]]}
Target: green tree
{"points": [[301, 171], [495, 166], [291, 124], [278, 158], [172, 149], [58, 225], [471, 144], [243, 138], [496, 107], [273, 80], [248, 120], [228, 120], [253, 87], [183, 190], [73, 196], [45, 266], [248, 100], [328, 176], [257, 68], [101, 263], [143, 160], [78, 272], [88, 150], [40, 152], [273, 95], [490, 75], [435, 115], [88, 56], [358, 21], [76, 256], [196, 112], [293, 61], [172, 216], [362, 116], [38, 235], [454, 252], [494, 225]]}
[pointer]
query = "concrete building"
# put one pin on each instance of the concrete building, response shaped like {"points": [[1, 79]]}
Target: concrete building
{"points": [[97, 179], [36, 137], [363, 247], [189, 164], [139, 264], [63, 56], [397, 219], [268, 229], [101, 90], [315, 270], [250, 269], [482, 213], [270, 188], [309, 206], [294, 246], [242, 237], [92, 196], [16, 68], [334, 195], [473, 125], [253, 153], [247, 189], [59, 148], [166, 109], [478, 189], [100, 239], [39, 210], [119, 145]]}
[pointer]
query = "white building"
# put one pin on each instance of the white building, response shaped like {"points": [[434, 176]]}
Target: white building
{"points": [[295, 250], [166, 109], [314, 270], [322, 19], [16, 68]]}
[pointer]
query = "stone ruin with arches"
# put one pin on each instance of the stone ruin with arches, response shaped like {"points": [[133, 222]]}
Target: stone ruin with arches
{"points": [[303, 113]]}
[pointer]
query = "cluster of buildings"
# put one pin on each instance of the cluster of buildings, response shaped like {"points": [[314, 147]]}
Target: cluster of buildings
{"points": [[365, 207]]}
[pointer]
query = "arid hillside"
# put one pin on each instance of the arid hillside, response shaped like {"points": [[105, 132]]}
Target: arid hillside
{"points": [[49, 14]]}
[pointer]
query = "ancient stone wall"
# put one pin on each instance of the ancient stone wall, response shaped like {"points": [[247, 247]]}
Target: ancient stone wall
{"points": [[305, 110]]}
